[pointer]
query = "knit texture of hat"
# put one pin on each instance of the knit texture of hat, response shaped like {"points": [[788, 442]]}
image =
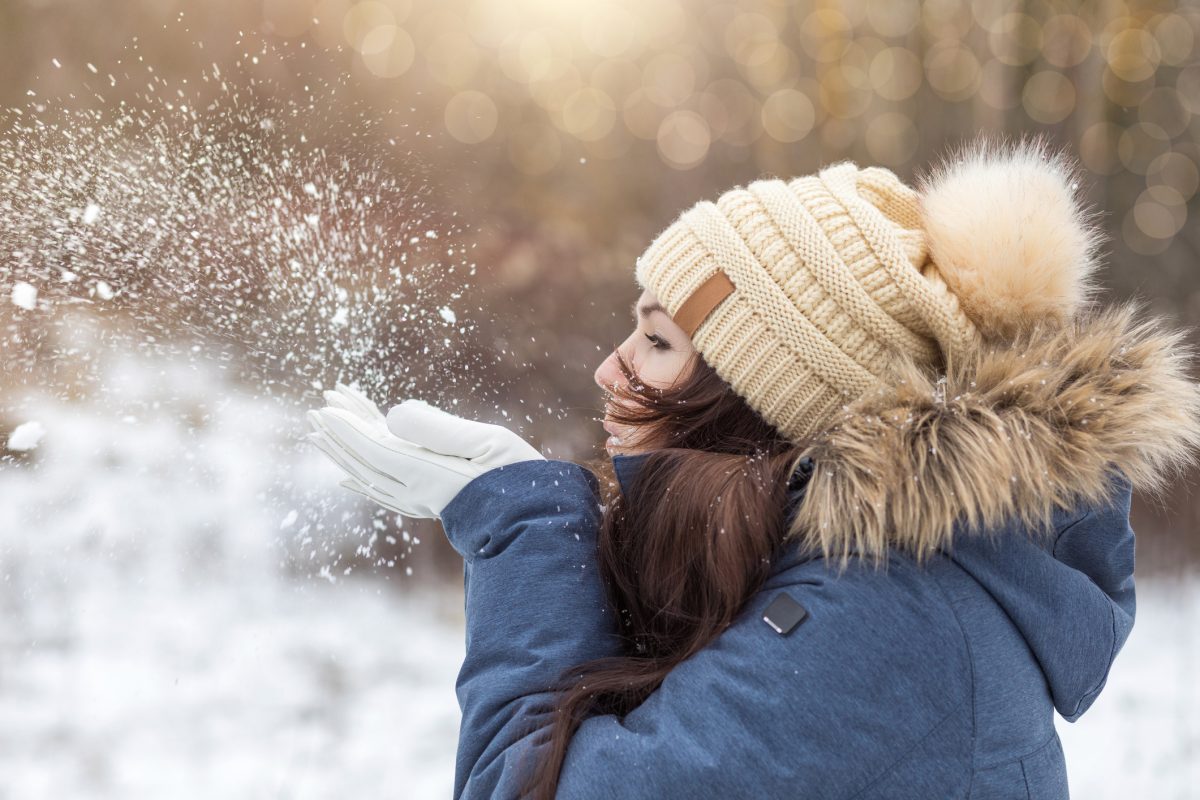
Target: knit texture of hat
{"points": [[809, 289]]}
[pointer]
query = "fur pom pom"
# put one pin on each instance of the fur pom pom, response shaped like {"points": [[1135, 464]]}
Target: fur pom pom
{"points": [[1008, 235]]}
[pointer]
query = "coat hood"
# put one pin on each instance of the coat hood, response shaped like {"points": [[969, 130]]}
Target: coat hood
{"points": [[1018, 463], [1012, 433]]}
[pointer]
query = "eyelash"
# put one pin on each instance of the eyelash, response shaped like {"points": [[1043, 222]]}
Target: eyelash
{"points": [[658, 343]]}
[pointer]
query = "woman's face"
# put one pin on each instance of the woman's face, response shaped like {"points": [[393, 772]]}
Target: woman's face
{"points": [[658, 351]]}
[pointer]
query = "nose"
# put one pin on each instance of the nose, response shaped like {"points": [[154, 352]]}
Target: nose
{"points": [[608, 372]]}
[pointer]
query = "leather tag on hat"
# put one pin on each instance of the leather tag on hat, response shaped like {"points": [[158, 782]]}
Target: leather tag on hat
{"points": [[702, 301]]}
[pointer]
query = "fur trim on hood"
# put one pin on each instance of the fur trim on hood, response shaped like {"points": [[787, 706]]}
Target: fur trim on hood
{"points": [[1016, 430]]}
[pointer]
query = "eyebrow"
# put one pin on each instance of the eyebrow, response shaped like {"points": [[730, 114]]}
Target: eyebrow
{"points": [[648, 309]]}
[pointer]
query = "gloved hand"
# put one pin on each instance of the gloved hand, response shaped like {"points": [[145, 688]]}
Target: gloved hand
{"points": [[350, 399], [418, 458]]}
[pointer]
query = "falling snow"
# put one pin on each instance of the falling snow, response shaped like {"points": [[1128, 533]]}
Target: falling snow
{"points": [[24, 295], [26, 436], [211, 215]]}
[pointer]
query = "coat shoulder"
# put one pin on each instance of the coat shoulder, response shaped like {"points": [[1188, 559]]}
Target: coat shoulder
{"points": [[895, 617]]}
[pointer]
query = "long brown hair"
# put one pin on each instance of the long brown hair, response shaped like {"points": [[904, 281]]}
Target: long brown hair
{"points": [[680, 555]]}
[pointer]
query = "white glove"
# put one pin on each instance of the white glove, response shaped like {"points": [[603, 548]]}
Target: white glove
{"points": [[418, 458], [350, 399]]}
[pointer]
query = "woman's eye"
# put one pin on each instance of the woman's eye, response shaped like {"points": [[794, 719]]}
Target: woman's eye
{"points": [[659, 344]]}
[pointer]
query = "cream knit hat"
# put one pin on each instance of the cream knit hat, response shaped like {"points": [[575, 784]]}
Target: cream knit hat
{"points": [[800, 294]]}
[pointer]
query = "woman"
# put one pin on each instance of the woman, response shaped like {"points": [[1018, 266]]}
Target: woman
{"points": [[873, 450]]}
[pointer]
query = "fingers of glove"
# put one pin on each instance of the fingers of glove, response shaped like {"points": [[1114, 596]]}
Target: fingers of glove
{"points": [[358, 488], [339, 400], [443, 432], [440, 431], [349, 429], [343, 403], [414, 510], [375, 497], [357, 399], [389, 454], [346, 456], [340, 460], [340, 423], [352, 466]]}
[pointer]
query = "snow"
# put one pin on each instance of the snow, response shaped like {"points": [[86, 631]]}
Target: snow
{"points": [[448, 314], [24, 295], [26, 436], [163, 635], [321, 692], [1141, 738], [197, 206]]}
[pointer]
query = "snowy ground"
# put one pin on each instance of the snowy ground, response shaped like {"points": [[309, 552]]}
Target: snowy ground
{"points": [[152, 647]]}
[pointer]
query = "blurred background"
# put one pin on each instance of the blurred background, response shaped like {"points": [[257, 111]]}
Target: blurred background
{"points": [[209, 212]]}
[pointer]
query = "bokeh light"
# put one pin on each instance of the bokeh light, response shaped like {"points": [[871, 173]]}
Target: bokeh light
{"points": [[1048, 97], [892, 139], [788, 115], [952, 70], [471, 116], [588, 114], [453, 58], [1132, 54], [895, 73], [728, 91], [1015, 39], [693, 86], [534, 148], [683, 139], [688, 84], [1098, 148]]}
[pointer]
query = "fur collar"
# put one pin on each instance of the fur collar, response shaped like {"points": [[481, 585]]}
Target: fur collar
{"points": [[1013, 431]]}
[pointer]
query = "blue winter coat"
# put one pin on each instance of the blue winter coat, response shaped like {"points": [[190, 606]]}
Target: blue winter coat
{"points": [[931, 681], [904, 683]]}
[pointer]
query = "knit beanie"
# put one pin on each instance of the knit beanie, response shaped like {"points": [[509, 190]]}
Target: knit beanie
{"points": [[801, 293]]}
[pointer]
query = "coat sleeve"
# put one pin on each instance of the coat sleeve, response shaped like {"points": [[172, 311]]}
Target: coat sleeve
{"points": [[872, 679], [534, 601]]}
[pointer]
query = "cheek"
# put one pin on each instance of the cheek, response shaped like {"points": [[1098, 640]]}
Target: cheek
{"points": [[662, 368]]}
